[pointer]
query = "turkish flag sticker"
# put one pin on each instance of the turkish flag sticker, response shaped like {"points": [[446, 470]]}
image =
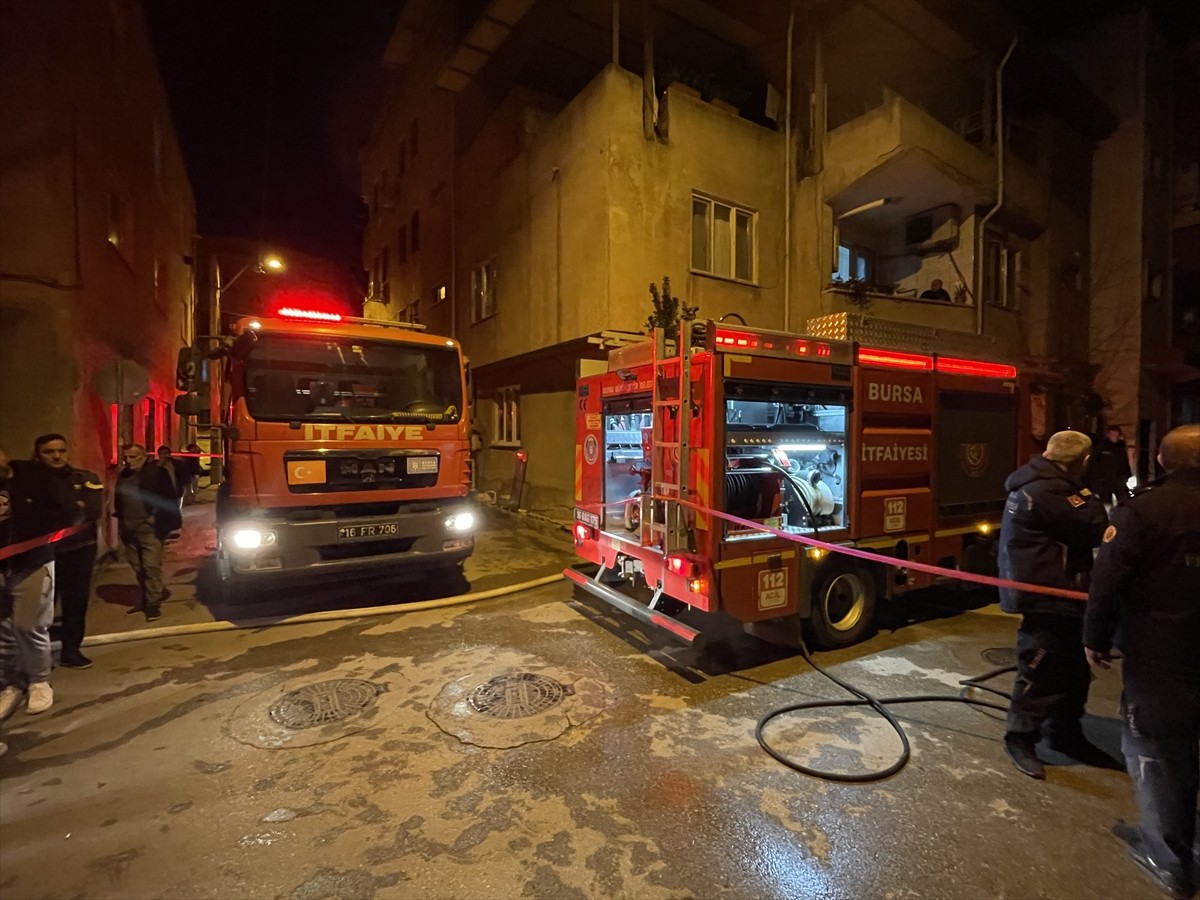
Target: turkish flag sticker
{"points": [[306, 471]]}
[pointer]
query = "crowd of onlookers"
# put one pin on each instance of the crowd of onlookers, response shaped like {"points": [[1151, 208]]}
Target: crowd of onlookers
{"points": [[51, 516]]}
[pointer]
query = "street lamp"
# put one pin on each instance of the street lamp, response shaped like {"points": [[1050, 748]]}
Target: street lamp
{"points": [[268, 263]]}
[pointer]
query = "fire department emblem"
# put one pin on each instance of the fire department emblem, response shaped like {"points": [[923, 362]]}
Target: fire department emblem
{"points": [[591, 449], [973, 458]]}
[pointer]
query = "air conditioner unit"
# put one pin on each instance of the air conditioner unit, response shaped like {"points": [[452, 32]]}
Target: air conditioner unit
{"points": [[932, 231]]}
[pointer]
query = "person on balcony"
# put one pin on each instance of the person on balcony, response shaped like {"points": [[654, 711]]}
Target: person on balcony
{"points": [[936, 292]]}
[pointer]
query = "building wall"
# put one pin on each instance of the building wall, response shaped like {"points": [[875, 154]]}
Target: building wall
{"points": [[89, 152]]}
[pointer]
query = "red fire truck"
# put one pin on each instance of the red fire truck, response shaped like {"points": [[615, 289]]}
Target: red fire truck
{"points": [[347, 448], [897, 452]]}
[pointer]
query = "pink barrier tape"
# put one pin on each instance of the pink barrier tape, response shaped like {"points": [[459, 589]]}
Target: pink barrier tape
{"points": [[866, 554], [15, 549]]}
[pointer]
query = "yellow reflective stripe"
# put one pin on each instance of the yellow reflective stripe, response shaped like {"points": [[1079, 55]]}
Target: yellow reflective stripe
{"points": [[889, 541], [752, 560], [966, 529]]}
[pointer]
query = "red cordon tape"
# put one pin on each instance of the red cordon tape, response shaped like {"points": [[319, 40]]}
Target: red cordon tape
{"points": [[873, 557], [33, 543]]}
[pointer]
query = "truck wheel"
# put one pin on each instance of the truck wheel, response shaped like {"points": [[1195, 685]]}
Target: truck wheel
{"points": [[843, 605]]}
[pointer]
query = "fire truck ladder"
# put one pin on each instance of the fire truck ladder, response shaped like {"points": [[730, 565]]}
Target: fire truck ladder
{"points": [[665, 522]]}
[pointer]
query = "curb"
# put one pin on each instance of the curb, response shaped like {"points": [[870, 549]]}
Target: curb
{"points": [[332, 615]]}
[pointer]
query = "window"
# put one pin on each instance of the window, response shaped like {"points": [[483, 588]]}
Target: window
{"points": [[439, 294], [854, 262], [1002, 273], [506, 421], [483, 292], [414, 312], [402, 245], [724, 240], [414, 230]]}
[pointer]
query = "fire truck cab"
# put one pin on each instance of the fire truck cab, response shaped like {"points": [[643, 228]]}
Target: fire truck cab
{"points": [[347, 449], [900, 453]]}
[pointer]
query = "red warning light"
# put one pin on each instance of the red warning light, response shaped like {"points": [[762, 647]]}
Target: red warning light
{"points": [[802, 348], [737, 340], [522, 455], [952, 366], [308, 315], [891, 359], [824, 350]]}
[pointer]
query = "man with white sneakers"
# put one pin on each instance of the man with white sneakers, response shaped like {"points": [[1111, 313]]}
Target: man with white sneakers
{"points": [[35, 506]]}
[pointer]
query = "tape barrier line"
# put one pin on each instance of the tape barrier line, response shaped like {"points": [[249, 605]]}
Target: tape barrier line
{"points": [[33, 543], [855, 552]]}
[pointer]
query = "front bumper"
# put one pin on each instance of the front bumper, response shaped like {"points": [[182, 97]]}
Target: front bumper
{"points": [[311, 550]]}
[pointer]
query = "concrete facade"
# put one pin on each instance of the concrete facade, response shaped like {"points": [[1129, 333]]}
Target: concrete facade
{"points": [[571, 207], [97, 224], [1127, 63]]}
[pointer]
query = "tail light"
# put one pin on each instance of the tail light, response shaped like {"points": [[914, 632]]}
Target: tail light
{"points": [[583, 533], [684, 566]]}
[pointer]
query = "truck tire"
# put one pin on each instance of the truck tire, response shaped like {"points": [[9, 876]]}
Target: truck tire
{"points": [[844, 597]]}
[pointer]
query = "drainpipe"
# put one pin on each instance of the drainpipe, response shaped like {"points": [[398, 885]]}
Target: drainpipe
{"points": [[453, 219], [649, 100], [616, 33], [787, 178], [981, 228]]}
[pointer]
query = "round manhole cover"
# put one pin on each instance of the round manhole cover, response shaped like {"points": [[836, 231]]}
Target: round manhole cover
{"points": [[517, 695], [325, 702], [1000, 656]]}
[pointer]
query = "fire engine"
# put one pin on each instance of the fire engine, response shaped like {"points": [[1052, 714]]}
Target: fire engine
{"points": [[897, 452], [347, 448]]}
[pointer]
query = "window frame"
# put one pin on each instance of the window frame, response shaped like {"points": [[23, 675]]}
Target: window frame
{"points": [[506, 416], [735, 210], [857, 253], [1002, 288], [484, 273]]}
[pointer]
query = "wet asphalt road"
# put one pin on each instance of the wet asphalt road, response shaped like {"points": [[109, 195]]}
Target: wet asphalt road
{"points": [[161, 773]]}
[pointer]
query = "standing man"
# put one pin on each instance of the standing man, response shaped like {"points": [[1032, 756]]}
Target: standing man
{"points": [[1051, 525], [1108, 473], [39, 506], [1145, 600], [74, 556], [145, 507]]}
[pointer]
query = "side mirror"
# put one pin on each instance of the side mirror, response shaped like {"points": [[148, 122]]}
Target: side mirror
{"points": [[243, 344], [191, 404]]}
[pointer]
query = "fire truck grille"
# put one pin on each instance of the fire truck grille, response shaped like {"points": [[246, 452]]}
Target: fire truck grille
{"points": [[331, 552]]}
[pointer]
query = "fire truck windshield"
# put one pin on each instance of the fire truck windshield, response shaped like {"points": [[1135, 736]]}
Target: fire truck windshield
{"points": [[292, 378]]}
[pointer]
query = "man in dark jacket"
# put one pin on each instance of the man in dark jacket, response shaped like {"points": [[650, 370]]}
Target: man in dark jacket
{"points": [[75, 556], [38, 507], [1145, 600], [1051, 525], [146, 508], [1108, 472]]}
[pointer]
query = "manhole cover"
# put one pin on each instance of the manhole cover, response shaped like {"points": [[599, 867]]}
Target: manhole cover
{"points": [[1000, 656], [517, 695], [325, 702]]}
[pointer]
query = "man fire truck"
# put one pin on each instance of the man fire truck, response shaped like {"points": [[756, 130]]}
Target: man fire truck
{"points": [[903, 454], [347, 448]]}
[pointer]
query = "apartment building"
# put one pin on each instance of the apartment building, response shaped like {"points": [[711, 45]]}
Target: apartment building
{"points": [[538, 164], [97, 223]]}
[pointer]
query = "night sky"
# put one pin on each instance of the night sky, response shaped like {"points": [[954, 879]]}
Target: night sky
{"points": [[271, 101]]}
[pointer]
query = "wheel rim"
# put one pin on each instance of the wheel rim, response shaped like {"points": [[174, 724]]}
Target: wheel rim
{"points": [[845, 601]]}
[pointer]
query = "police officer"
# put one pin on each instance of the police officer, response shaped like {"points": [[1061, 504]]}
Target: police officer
{"points": [[74, 556], [1051, 525], [1145, 600]]}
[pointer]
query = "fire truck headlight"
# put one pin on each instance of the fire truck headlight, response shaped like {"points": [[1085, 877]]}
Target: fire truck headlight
{"points": [[245, 537], [461, 522]]}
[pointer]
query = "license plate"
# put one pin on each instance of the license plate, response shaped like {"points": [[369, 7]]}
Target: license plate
{"points": [[422, 465], [587, 518], [361, 532]]}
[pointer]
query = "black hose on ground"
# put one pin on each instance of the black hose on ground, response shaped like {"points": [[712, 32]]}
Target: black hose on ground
{"points": [[880, 706]]}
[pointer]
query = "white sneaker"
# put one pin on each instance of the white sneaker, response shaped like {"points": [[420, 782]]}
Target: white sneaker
{"points": [[10, 701], [41, 697]]}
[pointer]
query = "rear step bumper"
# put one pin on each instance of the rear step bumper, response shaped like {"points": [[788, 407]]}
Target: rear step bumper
{"points": [[676, 629]]}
